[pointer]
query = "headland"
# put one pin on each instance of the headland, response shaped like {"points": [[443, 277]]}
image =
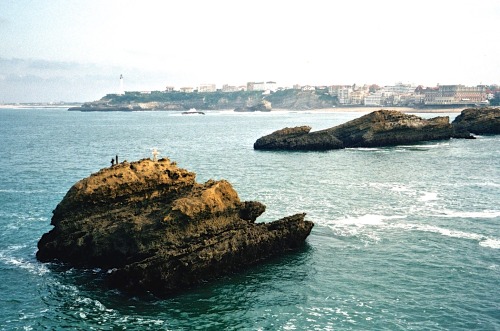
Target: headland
{"points": [[249, 101]]}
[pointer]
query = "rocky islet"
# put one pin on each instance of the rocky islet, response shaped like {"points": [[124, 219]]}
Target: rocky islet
{"points": [[157, 230], [384, 128]]}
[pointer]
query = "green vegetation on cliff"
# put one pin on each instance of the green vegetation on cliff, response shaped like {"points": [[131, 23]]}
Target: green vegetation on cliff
{"points": [[157, 100], [298, 99], [158, 96]]}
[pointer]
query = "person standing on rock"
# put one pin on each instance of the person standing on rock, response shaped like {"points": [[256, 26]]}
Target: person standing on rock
{"points": [[116, 161], [112, 162]]}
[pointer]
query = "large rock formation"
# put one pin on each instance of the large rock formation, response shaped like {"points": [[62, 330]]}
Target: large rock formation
{"points": [[156, 229], [478, 121], [390, 127], [379, 128]]}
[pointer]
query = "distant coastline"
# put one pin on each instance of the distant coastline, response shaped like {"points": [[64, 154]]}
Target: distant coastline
{"points": [[347, 109], [40, 105], [292, 99], [365, 109]]}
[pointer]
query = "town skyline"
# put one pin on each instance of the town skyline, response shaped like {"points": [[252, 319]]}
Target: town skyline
{"points": [[397, 95]]}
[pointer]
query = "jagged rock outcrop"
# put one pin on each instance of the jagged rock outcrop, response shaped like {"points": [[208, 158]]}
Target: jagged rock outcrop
{"points": [[477, 121], [379, 128], [156, 229]]}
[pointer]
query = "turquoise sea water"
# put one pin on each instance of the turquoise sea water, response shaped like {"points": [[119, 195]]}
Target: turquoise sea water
{"points": [[406, 238]]}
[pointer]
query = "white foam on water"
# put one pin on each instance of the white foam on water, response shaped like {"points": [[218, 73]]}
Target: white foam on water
{"points": [[491, 184], [449, 232], [400, 188], [469, 214], [360, 225], [23, 217], [428, 196], [494, 267], [93, 303], [394, 187], [490, 243], [367, 149], [362, 221], [6, 257], [23, 264], [424, 146], [12, 227], [481, 239]]}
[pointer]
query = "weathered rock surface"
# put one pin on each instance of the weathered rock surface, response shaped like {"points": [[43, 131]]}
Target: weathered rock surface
{"points": [[390, 127], [478, 121], [159, 230], [379, 128]]}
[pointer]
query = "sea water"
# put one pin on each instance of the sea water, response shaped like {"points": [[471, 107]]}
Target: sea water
{"points": [[405, 238]]}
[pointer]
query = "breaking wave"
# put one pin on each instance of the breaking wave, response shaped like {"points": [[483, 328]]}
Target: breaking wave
{"points": [[364, 226], [469, 214]]}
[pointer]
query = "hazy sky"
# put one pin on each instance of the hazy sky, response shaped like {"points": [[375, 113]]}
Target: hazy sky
{"points": [[75, 50]]}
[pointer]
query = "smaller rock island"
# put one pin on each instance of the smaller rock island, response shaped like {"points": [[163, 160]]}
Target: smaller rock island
{"points": [[157, 230], [384, 128]]}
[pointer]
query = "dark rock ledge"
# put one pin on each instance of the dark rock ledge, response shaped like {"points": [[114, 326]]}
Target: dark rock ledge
{"points": [[384, 128], [157, 230]]}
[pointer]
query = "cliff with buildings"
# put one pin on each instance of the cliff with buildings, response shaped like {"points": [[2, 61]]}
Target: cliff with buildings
{"points": [[207, 97]]}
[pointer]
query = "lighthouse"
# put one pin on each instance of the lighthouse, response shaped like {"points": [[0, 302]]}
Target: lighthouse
{"points": [[121, 91]]}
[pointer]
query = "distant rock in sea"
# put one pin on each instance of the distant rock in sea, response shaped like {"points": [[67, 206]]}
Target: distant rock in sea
{"points": [[157, 230], [379, 128]]}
